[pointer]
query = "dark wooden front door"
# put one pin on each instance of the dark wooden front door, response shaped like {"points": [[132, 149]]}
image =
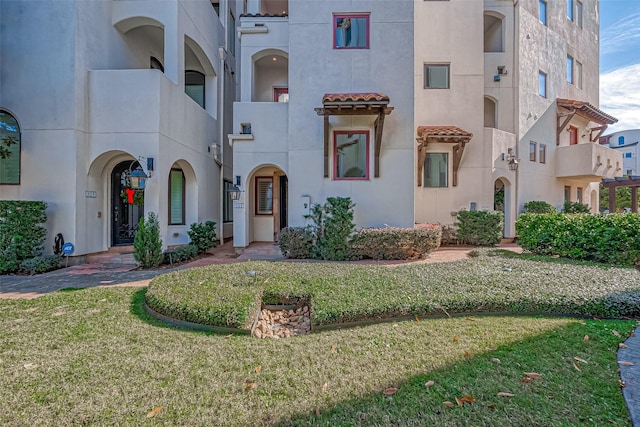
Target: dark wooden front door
{"points": [[124, 215]]}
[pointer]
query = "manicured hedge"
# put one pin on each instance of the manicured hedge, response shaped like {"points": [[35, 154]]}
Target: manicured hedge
{"points": [[22, 233], [607, 238], [225, 295], [395, 243], [296, 242], [481, 228]]}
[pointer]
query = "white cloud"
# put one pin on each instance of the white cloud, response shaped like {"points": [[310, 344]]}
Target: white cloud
{"points": [[621, 35], [620, 96]]}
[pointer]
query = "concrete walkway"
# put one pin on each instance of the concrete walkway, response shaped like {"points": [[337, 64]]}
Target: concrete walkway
{"points": [[121, 274]]}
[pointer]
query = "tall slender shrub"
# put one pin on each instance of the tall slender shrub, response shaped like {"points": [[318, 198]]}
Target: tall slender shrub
{"points": [[483, 228], [147, 245]]}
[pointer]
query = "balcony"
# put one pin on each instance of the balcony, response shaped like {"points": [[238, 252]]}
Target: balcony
{"points": [[269, 123], [588, 160], [146, 101]]}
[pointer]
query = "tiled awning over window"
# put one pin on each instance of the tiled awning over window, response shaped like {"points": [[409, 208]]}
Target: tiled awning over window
{"points": [[585, 110], [446, 134], [368, 103]]}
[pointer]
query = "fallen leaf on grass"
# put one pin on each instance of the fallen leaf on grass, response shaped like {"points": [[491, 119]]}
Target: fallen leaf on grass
{"points": [[575, 365], [250, 386], [417, 319], [526, 380], [616, 333], [586, 337], [533, 375], [579, 359], [492, 348], [582, 322], [469, 319], [258, 368], [491, 406], [154, 412], [622, 363], [630, 334], [505, 394], [324, 386], [468, 399], [456, 339], [429, 383], [467, 354], [496, 360], [550, 396], [622, 383], [228, 336], [622, 345], [390, 391], [333, 348], [459, 401], [448, 404], [30, 365], [595, 318]]}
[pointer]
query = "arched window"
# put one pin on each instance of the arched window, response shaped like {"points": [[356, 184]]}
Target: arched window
{"points": [[621, 140], [489, 113], [176, 197], [9, 149], [194, 86]]}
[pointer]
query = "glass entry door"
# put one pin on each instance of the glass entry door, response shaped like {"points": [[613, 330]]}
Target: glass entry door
{"points": [[127, 205]]}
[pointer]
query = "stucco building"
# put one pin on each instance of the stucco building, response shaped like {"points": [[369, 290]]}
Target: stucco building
{"points": [[416, 114], [414, 110], [627, 142]]}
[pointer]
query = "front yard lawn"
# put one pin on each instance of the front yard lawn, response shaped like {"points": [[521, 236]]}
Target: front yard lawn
{"points": [[93, 357]]}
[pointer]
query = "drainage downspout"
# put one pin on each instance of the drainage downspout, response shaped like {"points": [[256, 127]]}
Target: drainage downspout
{"points": [[221, 103]]}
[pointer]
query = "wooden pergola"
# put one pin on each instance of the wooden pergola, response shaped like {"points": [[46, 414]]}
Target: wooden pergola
{"points": [[632, 182], [355, 104], [447, 134]]}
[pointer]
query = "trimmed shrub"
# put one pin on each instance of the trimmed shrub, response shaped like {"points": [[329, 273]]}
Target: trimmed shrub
{"points": [[22, 234], [449, 235], [481, 228], [147, 245], [40, 264], [296, 242], [203, 235], [333, 227], [538, 207], [395, 243], [180, 254], [575, 208], [607, 238]]}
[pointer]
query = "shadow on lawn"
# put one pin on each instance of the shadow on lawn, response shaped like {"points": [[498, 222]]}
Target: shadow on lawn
{"points": [[568, 393]]}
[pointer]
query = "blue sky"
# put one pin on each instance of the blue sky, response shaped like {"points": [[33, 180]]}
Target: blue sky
{"points": [[620, 62]]}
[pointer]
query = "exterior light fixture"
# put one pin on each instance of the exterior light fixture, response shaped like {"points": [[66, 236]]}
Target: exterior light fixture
{"points": [[235, 191], [135, 176], [512, 160]]}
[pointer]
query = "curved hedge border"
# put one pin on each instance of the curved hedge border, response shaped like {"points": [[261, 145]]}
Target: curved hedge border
{"points": [[225, 295]]}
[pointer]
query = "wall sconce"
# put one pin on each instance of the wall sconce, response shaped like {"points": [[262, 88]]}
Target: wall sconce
{"points": [[618, 168], [235, 191], [136, 176], [609, 164], [512, 160], [598, 162]]}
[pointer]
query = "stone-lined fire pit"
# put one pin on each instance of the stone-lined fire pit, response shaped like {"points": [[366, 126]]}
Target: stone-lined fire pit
{"points": [[281, 321]]}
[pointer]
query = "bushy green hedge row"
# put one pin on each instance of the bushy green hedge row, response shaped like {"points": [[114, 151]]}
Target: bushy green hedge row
{"points": [[180, 254], [388, 243], [40, 264], [608, 238], [225, 295], [22, 233], [395, 243], [481, 228]]}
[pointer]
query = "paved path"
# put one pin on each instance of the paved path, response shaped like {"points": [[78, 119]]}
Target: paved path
{"points": [[88, 275]]}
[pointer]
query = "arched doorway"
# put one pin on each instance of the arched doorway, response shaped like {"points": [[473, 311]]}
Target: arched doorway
{"points": [[127, 204], [502, 203], [268, 203]]}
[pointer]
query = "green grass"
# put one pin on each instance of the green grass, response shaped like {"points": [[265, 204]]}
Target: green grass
{"points": [[93, 357], [224, 295]]}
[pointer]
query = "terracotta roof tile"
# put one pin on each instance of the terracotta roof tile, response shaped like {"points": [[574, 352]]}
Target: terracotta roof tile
{"points": [[354, 97], [587, 111], [442, 132]]}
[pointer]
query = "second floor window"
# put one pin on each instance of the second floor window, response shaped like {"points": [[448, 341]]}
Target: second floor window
{"points": [[436, 76], [351, 31], [194, 86]]}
